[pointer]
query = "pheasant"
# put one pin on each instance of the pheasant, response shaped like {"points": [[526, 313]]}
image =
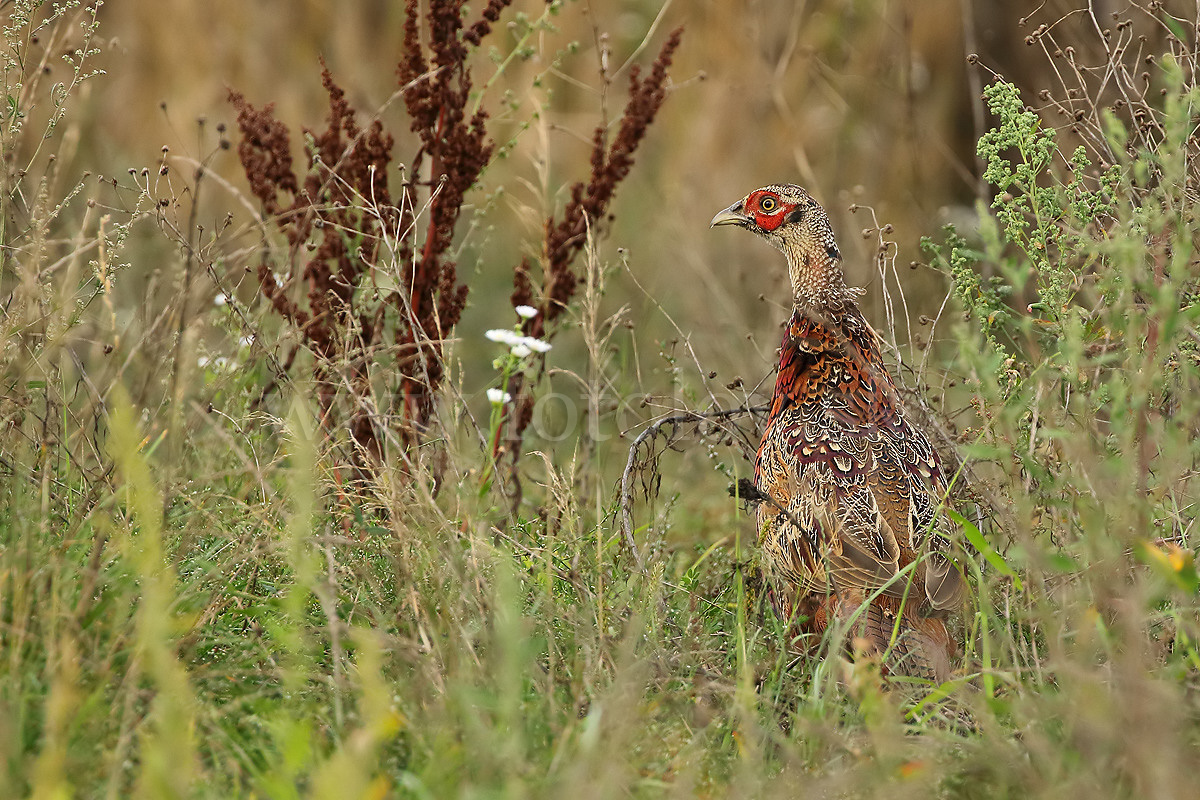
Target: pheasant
{"points": [[849, 523]]}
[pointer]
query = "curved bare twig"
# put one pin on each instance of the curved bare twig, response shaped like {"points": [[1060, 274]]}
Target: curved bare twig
{"points": [[650, 433]]}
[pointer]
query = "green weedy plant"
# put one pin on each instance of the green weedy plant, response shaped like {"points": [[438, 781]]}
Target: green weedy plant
{"points": [[1048, 218], [1099, 260], [1083, 434]]}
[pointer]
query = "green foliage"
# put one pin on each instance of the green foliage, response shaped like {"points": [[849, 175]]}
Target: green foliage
{"points": [[194, 602], [1085, 407], [983, 298], [1045, 213]]}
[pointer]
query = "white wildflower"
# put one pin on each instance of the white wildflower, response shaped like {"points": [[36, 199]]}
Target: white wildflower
{"points": [[202, 362], [526, 312], [246, 341], [521, 346], [220, 300], [498, 396], [504, 336]]}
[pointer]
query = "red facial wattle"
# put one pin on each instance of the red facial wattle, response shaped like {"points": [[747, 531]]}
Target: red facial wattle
{"points": [[767, 209]]}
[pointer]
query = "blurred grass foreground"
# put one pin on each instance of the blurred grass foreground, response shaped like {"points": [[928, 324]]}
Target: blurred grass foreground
{"points": [[371, 390]]}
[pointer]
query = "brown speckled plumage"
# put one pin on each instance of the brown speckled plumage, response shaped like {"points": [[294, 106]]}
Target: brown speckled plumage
{"points": [[856, 487]]}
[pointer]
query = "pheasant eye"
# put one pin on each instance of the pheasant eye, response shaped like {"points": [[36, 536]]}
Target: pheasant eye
{"points": [[767, 204]]}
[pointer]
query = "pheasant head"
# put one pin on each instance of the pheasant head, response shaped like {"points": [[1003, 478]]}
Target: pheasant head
{"points": [[787, 217]]}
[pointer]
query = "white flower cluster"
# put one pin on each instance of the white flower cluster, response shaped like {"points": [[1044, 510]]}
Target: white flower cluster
{"points": [[498, 396], [520, 346]]}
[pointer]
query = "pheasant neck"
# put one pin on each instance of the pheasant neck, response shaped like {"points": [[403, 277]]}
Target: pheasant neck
{"points": [[817, 280]]}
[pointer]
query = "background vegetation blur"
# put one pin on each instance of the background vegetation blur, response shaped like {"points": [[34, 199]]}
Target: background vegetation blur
{"points": [[207, 590]]}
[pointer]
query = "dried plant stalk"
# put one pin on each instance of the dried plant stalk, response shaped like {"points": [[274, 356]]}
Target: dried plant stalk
{"points": [[338, 219]]}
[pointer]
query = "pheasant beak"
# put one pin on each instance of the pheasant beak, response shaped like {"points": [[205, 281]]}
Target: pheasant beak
{"points": [[731, 216]]}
